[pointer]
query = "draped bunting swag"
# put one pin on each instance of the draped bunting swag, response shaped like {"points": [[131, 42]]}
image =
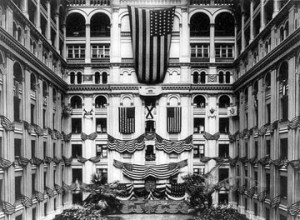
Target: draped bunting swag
{"points": [[66, 137], [58, 188], [163, 171], [26, 201], [7, 124], [209, 136], [294, 209], [8, 208], [91, 136], [67, 111], [39, 196], [262, 196], [274, 203], [36, 161], [67, 161], [5, 164], [22, 161], [95, 159], [49, 192], [174, 146], [126, 146], [48, 160]]}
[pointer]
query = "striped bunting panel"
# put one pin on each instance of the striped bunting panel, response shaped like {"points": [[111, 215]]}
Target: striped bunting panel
{"points": [[294, 209], [174, 146], [174, 119], [8, 208], [126, 120], [126, 146], [151, 32], [274, 203], [138, 172]]}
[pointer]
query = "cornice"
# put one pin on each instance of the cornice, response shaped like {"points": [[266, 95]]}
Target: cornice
{"points": [[15, 49], [270, 61]]}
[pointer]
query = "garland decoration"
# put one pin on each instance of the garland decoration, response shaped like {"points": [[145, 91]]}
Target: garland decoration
{"points": [[7, 124]]}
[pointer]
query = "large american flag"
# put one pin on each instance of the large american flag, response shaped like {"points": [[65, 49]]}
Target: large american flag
{"points": [[127, 120], [151, 32], [174, 119]]}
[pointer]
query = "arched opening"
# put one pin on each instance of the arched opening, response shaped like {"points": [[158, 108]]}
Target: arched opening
{"points": [[199, 25], [199, 101], [72, 78], [15, 30], [246, 95], [53, 7], [224, 24], [202, 77], [20, 35], [254, 93], [283, 90], [286, 29], [76, 102], [97, 77], [195, 77], [221, 77], [79, 78], [227, 77], [75, 25], [32, 82], [45, 89], [18, 79], [104, 78], [100, 25], [281, 34], [224, 101], [100, 102]]}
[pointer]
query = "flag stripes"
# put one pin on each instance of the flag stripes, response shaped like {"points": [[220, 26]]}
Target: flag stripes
{"points": [[126, 120], [151, 32], [174, 119]]}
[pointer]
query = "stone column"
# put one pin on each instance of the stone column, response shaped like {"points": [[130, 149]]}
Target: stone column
{"points": [[38, 16], [115, 50], [57, 32], [25, 8], [212, 57], [251, 21], [276, 7], [184, 35], [64, 50], [48, 28], [87, 43], [236, 52], [243, 41], [262, 16]]}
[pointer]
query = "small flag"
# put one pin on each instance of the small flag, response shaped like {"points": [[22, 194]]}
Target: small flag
{"points": [[174, 119], [127, 120]]}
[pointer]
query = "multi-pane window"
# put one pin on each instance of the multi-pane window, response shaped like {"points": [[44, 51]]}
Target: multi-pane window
{"points": [[200, 50], [101, 150], [76, 51], [199, 151], [100, 51], [224, 50], [101, 125], [199, 125]]}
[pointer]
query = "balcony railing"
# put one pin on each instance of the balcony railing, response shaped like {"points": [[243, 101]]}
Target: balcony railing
{"points": [[210, 2], [75, 3]]}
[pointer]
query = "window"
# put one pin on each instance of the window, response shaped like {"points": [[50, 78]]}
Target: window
{"points": [[200, 50], [283, 187], [224, 101], [100, 102], [256, 149], [76, 175], [199, 101], [79, 78], [202, 77], [76, 125], [268, 182], [223, 198], [101, 150], [76, 102], [54, 149], [223, 150], [195, 77], [32, 148], [268, 147], [150, 154], [44, 118], [32, 113], [97, 77], [283, 148], [198, 151], [223, 174], [72, 78], [45, 208], [224, 125], [104, 78], [45, 180], [76, 150], [34, 214], [227, 77], [33, 183], [76, 51], [224, 51], [18, 146], [150, 126], [199, 170], [100, 51], [101, 125], [268, 114], [199, 125], [45, 148], [221, 77], [32, 82], [18, 187]]}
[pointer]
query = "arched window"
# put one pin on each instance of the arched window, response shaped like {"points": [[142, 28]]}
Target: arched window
{"points": [[221, 77], [227, 77], [72, 78], [79, 78], [75, 25], [19, 34], [199, 101], [283, 90], [104, 78], [100, 102], [224, 24], [286, 29], [45, 89], [224, 101], [195, 77], [202, 77], [199, 25], [268, 81], [100, 25], [18, 76], [32, 82], [76, 102], [97, 77], [15, 30], [281, 34], [18, 79]]}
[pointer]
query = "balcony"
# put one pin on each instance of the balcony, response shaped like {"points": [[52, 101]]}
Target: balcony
{"points": [[211, 2], [75, 3]]}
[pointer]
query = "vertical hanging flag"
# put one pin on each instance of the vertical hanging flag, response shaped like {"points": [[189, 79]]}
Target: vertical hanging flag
{"points": [[127, 120], [174, 119], [151, 32]]}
